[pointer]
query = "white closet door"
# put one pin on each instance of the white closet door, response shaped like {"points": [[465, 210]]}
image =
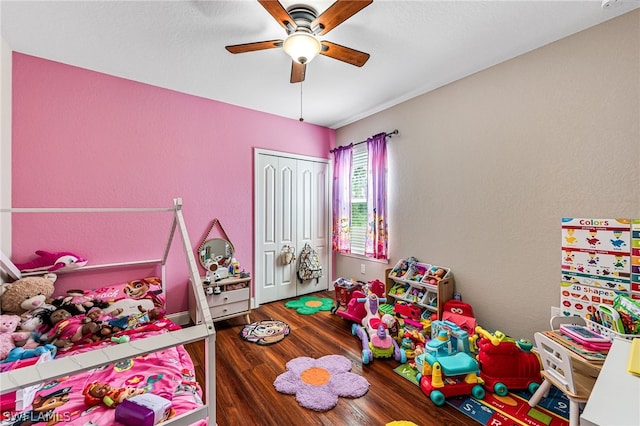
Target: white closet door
{"points": [[275, 223], [313, 196], [291, 209]]}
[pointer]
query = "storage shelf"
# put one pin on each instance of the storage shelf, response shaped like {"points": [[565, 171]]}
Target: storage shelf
{"points": [[427, 290]]}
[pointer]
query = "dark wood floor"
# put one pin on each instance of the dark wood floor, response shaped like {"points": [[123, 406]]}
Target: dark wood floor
{"points": [[246, 372]]}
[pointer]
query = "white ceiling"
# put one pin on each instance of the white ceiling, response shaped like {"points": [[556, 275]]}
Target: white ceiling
{"points": [[415, 47]]}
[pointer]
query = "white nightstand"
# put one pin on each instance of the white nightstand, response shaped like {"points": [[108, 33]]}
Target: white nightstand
{"points": [[234, 299]]}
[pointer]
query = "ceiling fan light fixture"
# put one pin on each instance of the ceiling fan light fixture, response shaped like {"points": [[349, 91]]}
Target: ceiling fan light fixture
{"points": [[302, 47]]}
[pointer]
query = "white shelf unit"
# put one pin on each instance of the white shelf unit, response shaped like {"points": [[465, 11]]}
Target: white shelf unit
{"points": [[419, 287]]}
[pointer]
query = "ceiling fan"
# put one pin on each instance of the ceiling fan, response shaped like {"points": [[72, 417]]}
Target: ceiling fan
{"points": [[303, 26]]}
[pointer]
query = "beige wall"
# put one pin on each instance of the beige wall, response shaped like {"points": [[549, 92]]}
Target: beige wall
{"points": [[484, 169]]}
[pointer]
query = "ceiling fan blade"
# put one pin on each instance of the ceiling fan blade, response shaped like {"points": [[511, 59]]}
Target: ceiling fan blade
{"points": [[337, 13], [297, 72], [344, 54], [251, 47], [280, 14]]}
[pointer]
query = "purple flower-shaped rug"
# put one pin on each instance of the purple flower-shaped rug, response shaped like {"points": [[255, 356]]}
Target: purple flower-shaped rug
{"points": [[318, 383]]}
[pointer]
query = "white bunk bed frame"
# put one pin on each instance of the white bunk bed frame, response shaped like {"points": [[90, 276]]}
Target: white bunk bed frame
{"points": [[59, 367]]}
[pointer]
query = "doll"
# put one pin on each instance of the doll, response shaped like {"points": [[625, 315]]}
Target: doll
{"points": [[67, 329], [106, 329], [77, 299]]}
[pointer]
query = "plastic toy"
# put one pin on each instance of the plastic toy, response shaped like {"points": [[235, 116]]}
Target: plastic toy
{"points": [[401, 268], [446, 368], [51, 262], [413, 342], [374, 334], [344, 292], [143, 410], [460, 313], [610, 318], [418, 271], [587, 338], [435, 274], [97, 392], [507, 364], [355, 310]]}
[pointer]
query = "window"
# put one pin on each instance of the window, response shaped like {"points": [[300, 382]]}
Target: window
{"points": [[359, 199]]}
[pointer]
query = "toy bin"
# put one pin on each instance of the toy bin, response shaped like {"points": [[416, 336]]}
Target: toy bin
{"points": [[399, 290], [435, 274], [344, 289], [399, 271], [609, 333], [417, 272]]}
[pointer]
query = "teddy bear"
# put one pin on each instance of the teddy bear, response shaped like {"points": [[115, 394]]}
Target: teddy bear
{"points": [[9, 338], [28, 294]]}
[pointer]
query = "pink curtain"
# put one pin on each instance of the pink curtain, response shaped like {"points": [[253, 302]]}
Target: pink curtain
{"points": [[341, 237], [376, 245]]}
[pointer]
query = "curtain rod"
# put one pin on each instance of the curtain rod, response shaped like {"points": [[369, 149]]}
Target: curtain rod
{"points": [[389, 135]]}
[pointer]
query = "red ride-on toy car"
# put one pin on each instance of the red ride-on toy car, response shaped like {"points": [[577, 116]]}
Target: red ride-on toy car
{"points": [[507, 364]]}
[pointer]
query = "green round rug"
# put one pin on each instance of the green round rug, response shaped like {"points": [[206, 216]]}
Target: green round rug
{"points": [[309, 305]]}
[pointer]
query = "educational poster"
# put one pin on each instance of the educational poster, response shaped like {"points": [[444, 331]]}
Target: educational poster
{"points": [[635, 258], [596, 263], [578, 299]]}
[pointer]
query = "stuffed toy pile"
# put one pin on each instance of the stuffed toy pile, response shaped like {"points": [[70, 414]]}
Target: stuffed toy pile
{"points": [[23, 304]]}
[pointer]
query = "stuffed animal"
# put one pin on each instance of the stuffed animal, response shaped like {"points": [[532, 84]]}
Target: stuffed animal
{"points": [[27, 294], [67, 329], [98, 392], [8, 335], [50, 262]]}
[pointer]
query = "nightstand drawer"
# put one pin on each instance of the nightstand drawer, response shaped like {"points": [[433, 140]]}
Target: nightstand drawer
{"points": [[229, 297], [229, 309]]}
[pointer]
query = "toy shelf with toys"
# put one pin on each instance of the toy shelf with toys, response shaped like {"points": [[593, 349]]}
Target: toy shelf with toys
{"points": [[420, 284]]}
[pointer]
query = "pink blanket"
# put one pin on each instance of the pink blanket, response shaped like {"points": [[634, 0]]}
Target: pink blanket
{"points": [[168, 373]]}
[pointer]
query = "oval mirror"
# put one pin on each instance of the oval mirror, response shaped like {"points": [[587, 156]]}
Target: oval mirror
{"points": [[216, 250]]}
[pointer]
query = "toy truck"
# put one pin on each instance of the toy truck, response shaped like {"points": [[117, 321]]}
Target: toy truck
{"points": [[447, 367]]}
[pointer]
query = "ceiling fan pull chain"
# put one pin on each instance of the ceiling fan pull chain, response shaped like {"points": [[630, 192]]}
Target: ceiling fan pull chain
{"points": [[301, 119]]}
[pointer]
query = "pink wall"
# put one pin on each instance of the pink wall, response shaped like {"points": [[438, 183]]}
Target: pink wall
{"points": [[85, 139]]}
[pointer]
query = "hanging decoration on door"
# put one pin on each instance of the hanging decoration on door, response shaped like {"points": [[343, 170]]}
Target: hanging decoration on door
{"points": [[288, 254]]}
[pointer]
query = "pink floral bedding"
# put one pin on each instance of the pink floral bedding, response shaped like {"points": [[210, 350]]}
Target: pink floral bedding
{"points": [[168, 373]]}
